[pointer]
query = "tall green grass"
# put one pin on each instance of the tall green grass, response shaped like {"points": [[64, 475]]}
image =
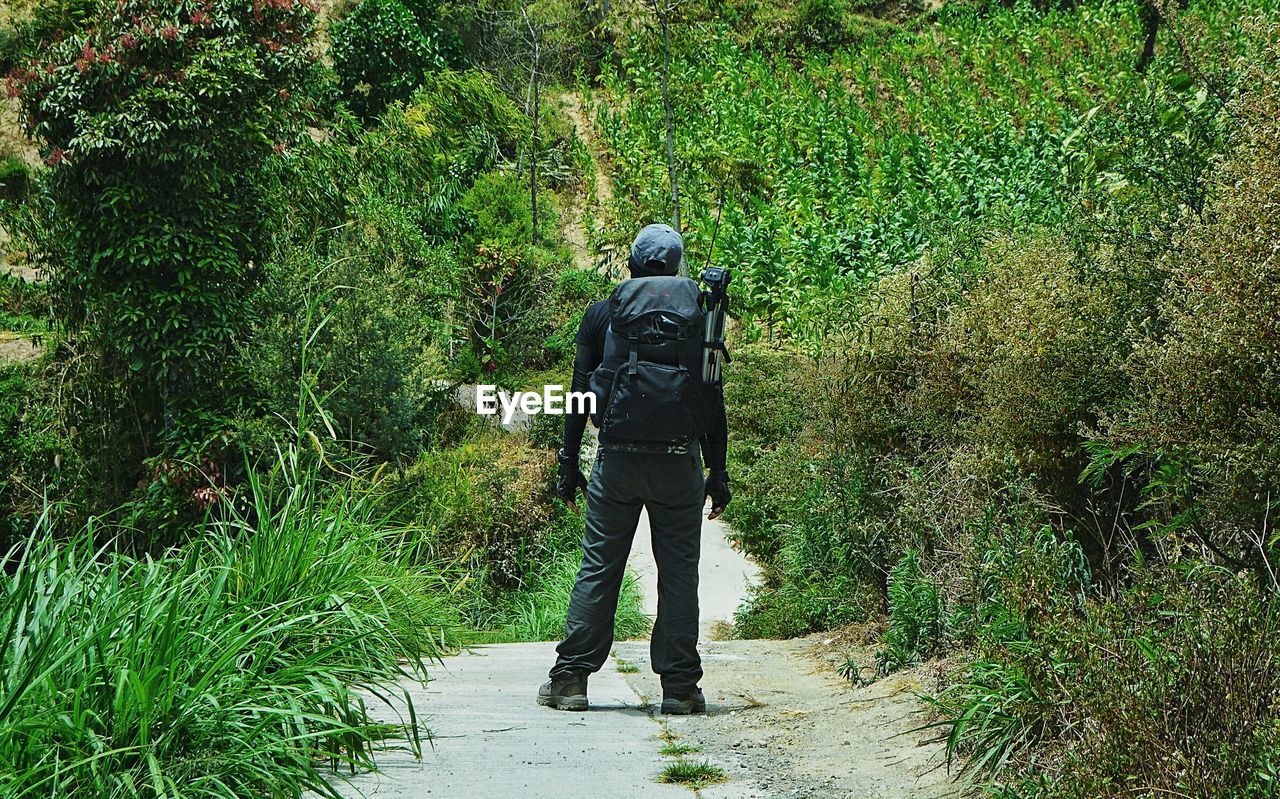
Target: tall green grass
{"points": [[539, 611], [837, 167], [234, 667]]}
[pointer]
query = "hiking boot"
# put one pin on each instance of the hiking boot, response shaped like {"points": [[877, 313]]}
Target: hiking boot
{"points": [[682, 703], [564, 693]]}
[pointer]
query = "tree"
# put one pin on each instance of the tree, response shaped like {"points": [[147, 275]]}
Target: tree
{"points": [[523, 45], [663, 12], [155, 118], [383, 50]]}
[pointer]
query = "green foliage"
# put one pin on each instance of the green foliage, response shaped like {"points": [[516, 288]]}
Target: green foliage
{"points": [[488, 501], [1184, 656], [490, 497], [511, 282], [695, 775], [841, 168], [769, 401], [28, 25], [1204, 417], [15, 177], [575, 290], [155, 120], [466, 120], [229, 668], [917, 623], [1053, 449], [366, 275], [32, 448], [383, 50], [498, 204]]}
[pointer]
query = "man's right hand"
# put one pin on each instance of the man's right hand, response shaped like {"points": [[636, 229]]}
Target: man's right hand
{"points": [[569, 479], [717, 488]]}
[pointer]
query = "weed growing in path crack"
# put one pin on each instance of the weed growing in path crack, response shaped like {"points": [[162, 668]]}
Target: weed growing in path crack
{"points": [[675, 749], [692, 775]]}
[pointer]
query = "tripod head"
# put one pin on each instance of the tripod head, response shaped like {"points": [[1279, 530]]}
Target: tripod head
{"points": [[717, 279]]}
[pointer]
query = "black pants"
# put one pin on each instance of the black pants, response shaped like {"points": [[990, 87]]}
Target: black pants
{"points": [[671, 487]]}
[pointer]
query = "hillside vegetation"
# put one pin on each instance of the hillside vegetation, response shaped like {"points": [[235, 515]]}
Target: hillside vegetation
{"points": [[1007, 364]]}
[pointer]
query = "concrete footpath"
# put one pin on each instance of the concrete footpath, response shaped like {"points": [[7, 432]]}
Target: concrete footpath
{"points": [[490, 738]]}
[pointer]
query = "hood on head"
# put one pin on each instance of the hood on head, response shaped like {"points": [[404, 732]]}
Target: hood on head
{"points": [[657, 250]]}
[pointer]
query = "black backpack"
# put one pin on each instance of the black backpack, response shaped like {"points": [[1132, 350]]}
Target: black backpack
{"points": [[648, 387]]}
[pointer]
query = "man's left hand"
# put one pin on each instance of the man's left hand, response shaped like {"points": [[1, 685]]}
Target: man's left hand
{"points": [[569, 479]]}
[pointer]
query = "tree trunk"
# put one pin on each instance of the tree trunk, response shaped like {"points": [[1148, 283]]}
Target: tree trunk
{"points": [[671, 131], [533, 159], [1151, 26]]}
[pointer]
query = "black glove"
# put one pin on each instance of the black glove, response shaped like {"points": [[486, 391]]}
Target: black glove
{"points": [[569, 477], [718, 490]]}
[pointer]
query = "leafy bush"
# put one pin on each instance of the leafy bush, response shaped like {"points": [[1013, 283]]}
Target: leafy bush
{"points": [[36, 460], [155, 119], [383, 50], [489, 502], [575, 290], [768, 399], [1204, 420], [361, 328], [230, 668], [1169, 688], [365, 280], [510, 285], [28, 25], [15, 176], [490, 497]]}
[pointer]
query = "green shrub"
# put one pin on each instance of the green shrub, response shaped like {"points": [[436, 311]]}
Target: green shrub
{"points": [[498, 203], [1204, 420], [369, 275], [491, 498], [1169, 687], [29, 25], [156, 121], [489, 504], [917, 623], [362, 327], [383, 50], [15, 176], [769, 401], [465, 120], [575, 289], [37, 464], [800, 606], [509, 288]]}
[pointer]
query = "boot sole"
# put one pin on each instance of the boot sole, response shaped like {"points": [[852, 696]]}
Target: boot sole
{"points": [[675, 707], [574, 703]]}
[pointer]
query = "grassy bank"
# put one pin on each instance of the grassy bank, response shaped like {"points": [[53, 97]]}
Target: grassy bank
{"points": [[233, 666]]}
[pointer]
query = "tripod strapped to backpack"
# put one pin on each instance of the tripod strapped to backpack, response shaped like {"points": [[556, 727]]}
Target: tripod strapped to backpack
{"points": [[715, 302]]}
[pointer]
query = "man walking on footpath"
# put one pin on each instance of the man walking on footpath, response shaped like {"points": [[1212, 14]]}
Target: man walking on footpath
{"points": [[640, 353]]}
